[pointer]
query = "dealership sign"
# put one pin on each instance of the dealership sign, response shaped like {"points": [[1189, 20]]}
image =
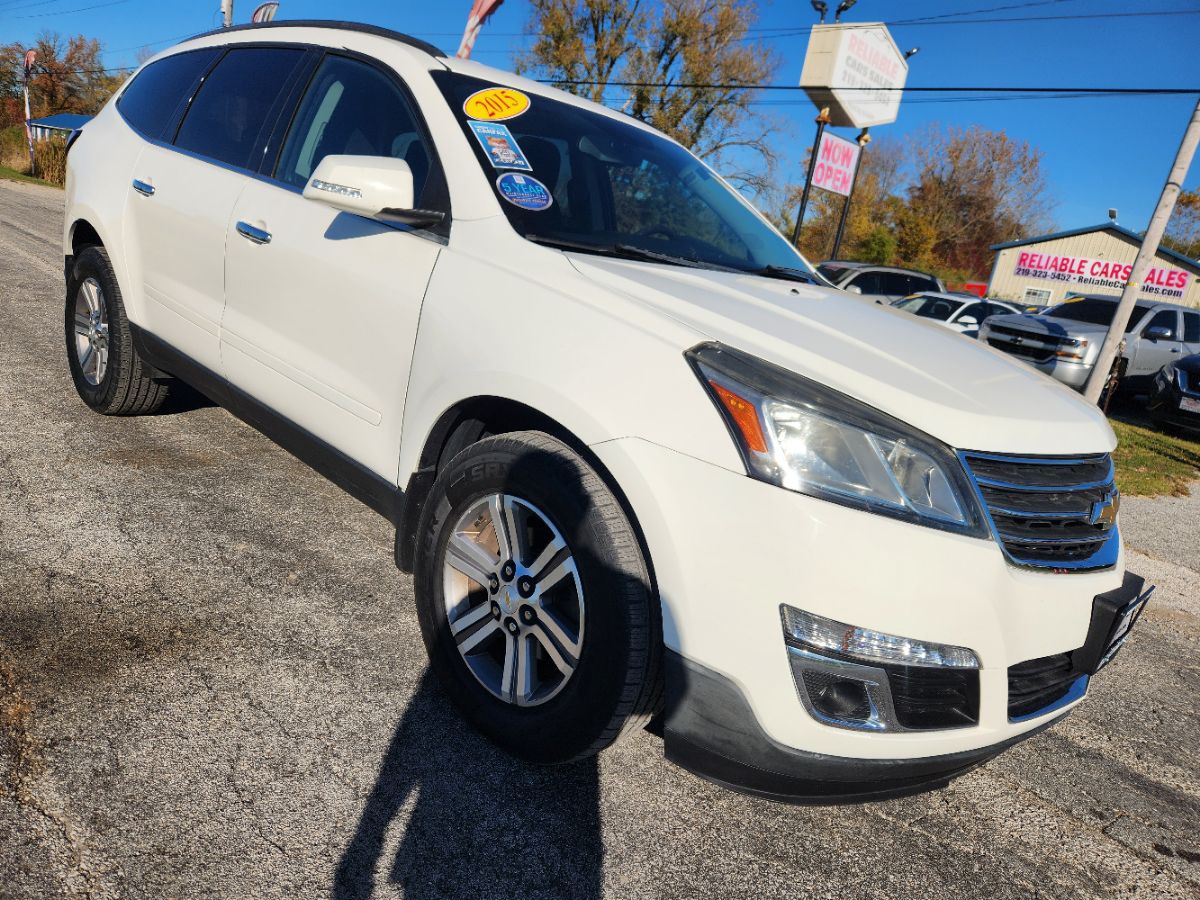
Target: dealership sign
{"points": [[857, 71], [836, 161], [1160, 281]]}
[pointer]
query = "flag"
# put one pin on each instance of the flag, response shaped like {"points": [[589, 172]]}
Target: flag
{"points": [[265, 12], [481, 10]]}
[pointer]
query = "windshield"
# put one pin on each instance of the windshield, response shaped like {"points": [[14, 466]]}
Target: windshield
{"points": [[580, 180], [1094, 311], [930, 307]]}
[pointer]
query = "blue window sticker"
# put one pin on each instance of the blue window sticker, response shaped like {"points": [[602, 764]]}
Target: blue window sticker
{"points": [[500, 146], [524, 191]]}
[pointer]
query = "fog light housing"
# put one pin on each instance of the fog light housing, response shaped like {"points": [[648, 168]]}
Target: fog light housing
{"points": [[851, 677]]}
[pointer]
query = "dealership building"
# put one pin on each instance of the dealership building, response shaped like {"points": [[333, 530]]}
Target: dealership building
{"points": [[1096, 260]]}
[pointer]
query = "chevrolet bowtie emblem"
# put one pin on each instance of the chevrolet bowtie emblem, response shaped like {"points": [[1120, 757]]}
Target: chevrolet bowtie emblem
{"points": [[1104, 510]]}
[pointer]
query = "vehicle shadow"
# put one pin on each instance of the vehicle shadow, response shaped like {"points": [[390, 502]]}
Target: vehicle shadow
{"points": [[466, 818], [474, 820]]}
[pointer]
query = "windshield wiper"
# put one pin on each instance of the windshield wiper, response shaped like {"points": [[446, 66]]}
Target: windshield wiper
{"points": [[787, 273], [626, 251]]}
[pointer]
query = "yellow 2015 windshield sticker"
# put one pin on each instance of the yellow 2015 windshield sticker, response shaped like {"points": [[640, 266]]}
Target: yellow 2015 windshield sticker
{"points": [[493, 104]]}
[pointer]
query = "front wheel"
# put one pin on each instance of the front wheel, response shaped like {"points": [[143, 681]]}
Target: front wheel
{"points": [[535, 600], [108, 373]]}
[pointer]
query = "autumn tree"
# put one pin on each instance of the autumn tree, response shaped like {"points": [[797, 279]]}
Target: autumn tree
{"points": [[69, 76], [1183, 231], [670, 50], [971, 188]]}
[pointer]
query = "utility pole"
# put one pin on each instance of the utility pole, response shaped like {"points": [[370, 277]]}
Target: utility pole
{"points": [[1154, 232], [822, 120], [863, 139], [227, 12], [30, 58]]}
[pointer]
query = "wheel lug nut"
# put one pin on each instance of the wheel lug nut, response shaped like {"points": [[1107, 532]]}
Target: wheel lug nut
{"points": [[512, 626], [525, 586], [495, 610], [527, 615], [493, 583], [508, 571]]}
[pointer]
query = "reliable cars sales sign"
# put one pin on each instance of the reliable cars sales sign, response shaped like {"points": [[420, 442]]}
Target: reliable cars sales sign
{"points": [[857, 71], [1160, 281], [836, 160]]}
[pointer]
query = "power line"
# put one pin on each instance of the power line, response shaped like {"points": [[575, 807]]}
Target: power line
{"points": [[66, 12], [1098, 91]]}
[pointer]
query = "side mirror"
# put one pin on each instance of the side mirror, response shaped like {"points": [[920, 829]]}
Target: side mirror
{"points": [[969, 321], [854, 289], [376, 187], [1159, 333]]}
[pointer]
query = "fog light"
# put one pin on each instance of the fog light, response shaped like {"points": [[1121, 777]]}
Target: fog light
{"points": [[821, 634], [838, 698]]}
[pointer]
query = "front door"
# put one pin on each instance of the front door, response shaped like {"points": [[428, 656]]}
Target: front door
{"points": [[1149, 354], [322, 306]]}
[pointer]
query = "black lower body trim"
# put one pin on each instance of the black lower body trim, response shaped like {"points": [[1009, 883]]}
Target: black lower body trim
{"points": [[710, 730], [361, 483]]}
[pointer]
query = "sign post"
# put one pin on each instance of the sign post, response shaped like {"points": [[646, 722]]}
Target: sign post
{"points": [[863, 139], [822, 120]]}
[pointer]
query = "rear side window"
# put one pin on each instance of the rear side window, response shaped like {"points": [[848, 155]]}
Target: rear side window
{"points": [[150, 102], [867, 282], [351, 108], [1191, 327], [893, 283], [230, 110], [922, 284]]}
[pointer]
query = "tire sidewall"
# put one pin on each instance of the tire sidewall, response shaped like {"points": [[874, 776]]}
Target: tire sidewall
{"points": [[572, 721], [93, 263]]}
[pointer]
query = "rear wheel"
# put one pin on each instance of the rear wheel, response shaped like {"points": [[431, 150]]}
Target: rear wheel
{"points": [[535, 600], [108, 373]]}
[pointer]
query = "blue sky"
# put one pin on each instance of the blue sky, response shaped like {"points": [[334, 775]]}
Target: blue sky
{"points": [[1099, 152]]}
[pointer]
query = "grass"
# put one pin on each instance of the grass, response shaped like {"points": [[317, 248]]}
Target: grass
{"points": [[1152, 464], [14, 175]]}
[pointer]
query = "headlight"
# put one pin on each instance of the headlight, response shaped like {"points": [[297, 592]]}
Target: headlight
{"points": [[805, 437]]}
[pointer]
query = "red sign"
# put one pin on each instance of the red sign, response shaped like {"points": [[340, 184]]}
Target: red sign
{"points": [[836, 160], [1160, 281]]}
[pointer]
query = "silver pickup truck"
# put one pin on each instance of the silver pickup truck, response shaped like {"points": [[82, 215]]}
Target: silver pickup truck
{"points": [[1064, 340]]}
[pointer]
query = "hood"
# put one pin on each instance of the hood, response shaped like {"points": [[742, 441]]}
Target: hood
{"points": [[964, 393], [1048, 326]]}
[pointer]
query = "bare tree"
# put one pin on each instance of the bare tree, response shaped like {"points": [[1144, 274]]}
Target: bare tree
{"points": [[670, 50]]}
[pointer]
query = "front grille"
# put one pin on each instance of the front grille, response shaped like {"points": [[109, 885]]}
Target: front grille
{"points": [[1050, 512], [1037, 354], [1039, 683]]}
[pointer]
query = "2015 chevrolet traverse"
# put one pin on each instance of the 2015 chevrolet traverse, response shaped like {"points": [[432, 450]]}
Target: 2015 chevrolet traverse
{"points": [[639, 461]]}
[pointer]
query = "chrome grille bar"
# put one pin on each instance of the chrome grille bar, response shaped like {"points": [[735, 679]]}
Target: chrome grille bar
{"points": [[1053, 512]]}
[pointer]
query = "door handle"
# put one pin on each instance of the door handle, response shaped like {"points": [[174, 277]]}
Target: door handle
{"points": [[144, 188], [252, 234]]}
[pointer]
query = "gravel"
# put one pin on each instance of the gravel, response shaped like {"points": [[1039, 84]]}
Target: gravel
{"points": [[212, 684]]}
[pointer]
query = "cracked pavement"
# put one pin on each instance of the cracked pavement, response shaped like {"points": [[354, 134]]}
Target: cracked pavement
{"points": [[212, 683]]}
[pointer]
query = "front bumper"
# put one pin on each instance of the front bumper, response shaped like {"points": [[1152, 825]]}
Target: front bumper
{"points": [[728, 550], [710, 729]]}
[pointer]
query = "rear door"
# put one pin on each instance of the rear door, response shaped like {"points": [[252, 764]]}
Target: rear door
{"points": [[1191, 332], [322, 306], [184, 188]]}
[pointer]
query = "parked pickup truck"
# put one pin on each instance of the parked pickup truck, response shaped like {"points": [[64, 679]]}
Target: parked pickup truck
{"points": [[1065, 340]]}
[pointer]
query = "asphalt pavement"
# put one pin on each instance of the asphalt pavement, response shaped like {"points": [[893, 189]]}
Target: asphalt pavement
{"points": [[212, 683]]}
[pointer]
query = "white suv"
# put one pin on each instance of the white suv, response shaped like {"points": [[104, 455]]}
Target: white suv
{"points": [[642, 467]]}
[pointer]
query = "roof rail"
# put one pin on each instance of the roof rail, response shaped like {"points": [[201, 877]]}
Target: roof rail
{"points": [[343, 26]]}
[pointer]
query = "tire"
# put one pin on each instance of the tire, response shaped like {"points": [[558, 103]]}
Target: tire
{"points": [[615, 684], [99, 343]]}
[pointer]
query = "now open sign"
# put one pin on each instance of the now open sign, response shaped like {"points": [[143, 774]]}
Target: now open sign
{"points": [[836, 160]]}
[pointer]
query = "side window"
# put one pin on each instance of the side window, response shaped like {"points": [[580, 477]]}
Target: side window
{"points": [[867, 282], [921, 284], [150, 102], [893, 283], [1191, 328], [979, 311], [1164, 318], [351, 108], [231, 108]]}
